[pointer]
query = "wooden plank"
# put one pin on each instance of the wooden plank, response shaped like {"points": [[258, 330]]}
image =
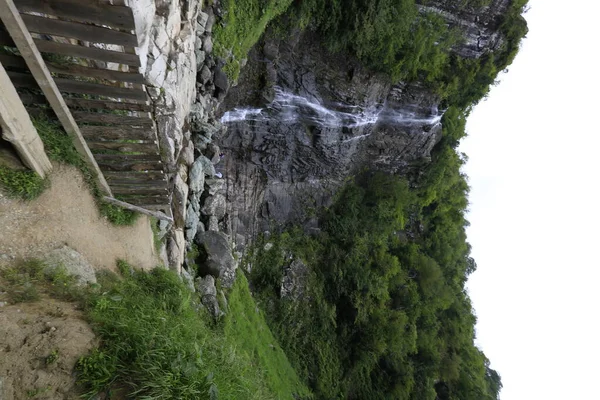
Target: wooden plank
{"points": [[126, 165], [13, 61], [18, 129], [76, 70], [76, 30], [98, 118], [72, 86], [93, 53], [130, 157], [112, 176], [139, 190], [16, 27], [98, 73], [5, 39], [146, 200], [30, 98], [145, 148], [156, 183], [125, 162], [142, 210], [117, 132], [33, 99], [107, 105], [148, 184], [96, 12], [23, 80]]}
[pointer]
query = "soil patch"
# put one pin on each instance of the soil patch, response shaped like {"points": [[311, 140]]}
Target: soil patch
{"points": [[40, 344], [66, 214]]}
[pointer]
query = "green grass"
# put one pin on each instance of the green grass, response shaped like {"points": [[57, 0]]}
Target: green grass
{"points": [[24, 281], [24, 184], [243, 24], [59, 147], [245, 326], [157, 345]]}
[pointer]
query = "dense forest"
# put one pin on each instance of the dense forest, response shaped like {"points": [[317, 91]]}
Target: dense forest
{"points": [[383, 312]]}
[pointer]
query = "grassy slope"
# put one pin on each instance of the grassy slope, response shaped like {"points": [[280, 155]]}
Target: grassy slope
{"points": [[155, 342], [242, 27]]}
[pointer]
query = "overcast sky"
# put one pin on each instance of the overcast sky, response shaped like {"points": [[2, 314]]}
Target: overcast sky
{"points": [[534, 154]]}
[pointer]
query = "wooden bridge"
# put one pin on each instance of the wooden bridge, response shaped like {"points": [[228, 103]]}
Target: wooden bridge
{"points": [[74, 61]]}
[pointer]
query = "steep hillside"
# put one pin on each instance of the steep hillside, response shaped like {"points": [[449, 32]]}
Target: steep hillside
{"points": [[340, 153]]}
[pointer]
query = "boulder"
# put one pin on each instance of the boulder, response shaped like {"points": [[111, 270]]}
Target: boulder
{"points": [[217, 259], [213, 223], [192, 219], [196, 176], [221, 80], [294, 280], [207, 166], [187, 279], [208, 295], [74, 264], [175, 250], [205, 74], [207, 44], [201, 20], [215, 186], [215, 205], [180, 195]]}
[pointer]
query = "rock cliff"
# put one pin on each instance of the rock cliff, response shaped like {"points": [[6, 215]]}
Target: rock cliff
{"points": [[301, 120]]}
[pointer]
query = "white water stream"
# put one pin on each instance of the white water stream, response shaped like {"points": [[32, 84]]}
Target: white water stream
{"points": [[291, 108]]}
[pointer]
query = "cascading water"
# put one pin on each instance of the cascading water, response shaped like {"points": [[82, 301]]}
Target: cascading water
{"points": [[290, 108]]}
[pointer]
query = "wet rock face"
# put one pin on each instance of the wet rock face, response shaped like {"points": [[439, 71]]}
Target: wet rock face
{"points": [[480, 25], [300, 121]]}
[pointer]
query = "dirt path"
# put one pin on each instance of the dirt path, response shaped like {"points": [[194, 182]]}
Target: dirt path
{"points": [[67, 214]]}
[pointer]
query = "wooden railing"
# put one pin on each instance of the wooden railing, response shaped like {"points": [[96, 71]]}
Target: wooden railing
{"points": [[87, 49]]}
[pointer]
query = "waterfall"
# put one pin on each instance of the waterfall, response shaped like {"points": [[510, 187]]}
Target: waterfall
{"points": [[290, 108]]}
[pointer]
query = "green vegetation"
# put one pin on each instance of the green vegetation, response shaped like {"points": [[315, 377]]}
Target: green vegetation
{"points": [[156, 344], [386, 314], [52, 357], [24, 281], [389, 36], [24, 184], [243, 24], [59, 147]]}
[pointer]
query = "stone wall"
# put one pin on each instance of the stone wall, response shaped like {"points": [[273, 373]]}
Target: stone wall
{"points": [[175, 47]]}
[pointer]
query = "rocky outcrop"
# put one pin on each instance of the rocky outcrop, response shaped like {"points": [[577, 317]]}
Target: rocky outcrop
{"points": [[479, 25], [181, 75], [72, 262], [301, 120], [208, 295], [293, 283], [216, 257]]}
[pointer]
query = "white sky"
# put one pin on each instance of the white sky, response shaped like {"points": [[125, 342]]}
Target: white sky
{"points": [[534, 150]]}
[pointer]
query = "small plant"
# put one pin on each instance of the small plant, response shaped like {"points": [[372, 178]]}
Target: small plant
{"points": [[24, 184], [36, 392], [21, 281], [118, 215], [52, 357]]}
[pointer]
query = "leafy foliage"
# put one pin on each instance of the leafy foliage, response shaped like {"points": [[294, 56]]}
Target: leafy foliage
{"points": [[386, 314]]}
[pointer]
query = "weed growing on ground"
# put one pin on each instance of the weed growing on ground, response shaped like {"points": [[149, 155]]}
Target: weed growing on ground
{"points": [[23, 184], [52, 357]]}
